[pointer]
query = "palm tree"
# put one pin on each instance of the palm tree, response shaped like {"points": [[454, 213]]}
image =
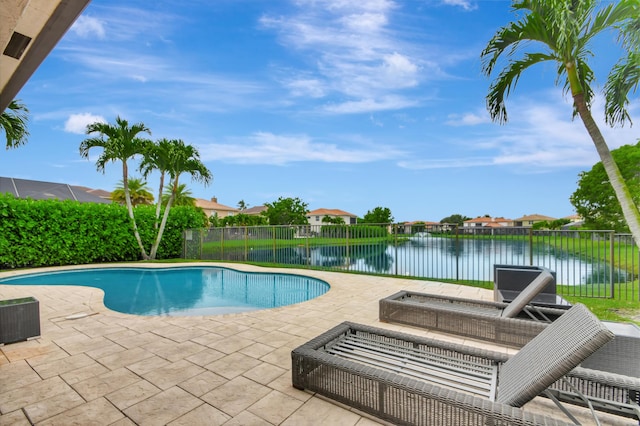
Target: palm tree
{"points": [[156, 157], [119, 142], [182, 159], [14, 123], [565, 30], [137, 190], [182, 197]]}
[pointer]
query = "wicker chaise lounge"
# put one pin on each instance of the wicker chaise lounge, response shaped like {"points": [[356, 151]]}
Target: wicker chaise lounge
{"points": [[406, 379], [611, 380], [511, 324]]}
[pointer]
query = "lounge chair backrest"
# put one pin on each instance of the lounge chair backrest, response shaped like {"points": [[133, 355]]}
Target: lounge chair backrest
{"points": [[554, 352], [526, 296]]}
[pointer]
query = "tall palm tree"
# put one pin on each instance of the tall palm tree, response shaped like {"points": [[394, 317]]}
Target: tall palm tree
{"points": [[564, 31], [156, 157], [138, 191], [119, 142], [14, 123], [182, 197], [182, 159]]}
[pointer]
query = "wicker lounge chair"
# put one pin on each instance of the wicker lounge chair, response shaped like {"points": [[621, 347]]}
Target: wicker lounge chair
{"points": [[406, 379], [610, 381], [512, 324], [502, 323]]}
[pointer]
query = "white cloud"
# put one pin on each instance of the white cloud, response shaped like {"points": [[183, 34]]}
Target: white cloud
{"points": [[446, 163], [540, 136], [126, 23], [465, 4], [77, 123], [306, 87], [345, 6], [468, 119], [399, 71], [365, 22], [270, 148], [118, 63], [370, 105], [354, 52], [375, 122], [86, 26]]}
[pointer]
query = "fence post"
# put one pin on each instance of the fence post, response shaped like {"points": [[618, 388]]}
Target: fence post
{"points": [[307, 248], [612, 286], [347, 249], [457, 252], [246, 243], [273, 234], [531, 246], [222, 244], [395, 247]]}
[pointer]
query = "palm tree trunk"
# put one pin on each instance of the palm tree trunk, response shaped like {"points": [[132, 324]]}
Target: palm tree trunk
{"points": [[165, 216], [629, 209], [127, 198], [159, 204]]}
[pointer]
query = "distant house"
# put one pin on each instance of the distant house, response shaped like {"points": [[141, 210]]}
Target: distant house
{"points": [[105, 195], [531, 219], [575, 222], [211, 208], [419, 226], [487, 222], [39, 190], [574, 218], [255, 210], [315, 216]]}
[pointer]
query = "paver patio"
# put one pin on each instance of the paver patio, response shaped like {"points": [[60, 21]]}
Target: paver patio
{"points": [[110, 368]]}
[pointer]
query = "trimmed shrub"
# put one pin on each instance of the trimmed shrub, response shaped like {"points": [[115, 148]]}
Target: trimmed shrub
{"points": [[37, 233], [353, 231]]}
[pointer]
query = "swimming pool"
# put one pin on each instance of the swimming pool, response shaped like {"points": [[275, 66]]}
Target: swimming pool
{"points": [[184, 291]]}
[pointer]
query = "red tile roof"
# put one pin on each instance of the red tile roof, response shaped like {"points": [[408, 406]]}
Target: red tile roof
{"points": [[534, 217], [330, 212], [212, 205], [254, 210]]}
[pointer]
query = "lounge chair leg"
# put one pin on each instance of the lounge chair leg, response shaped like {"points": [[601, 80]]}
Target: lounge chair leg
{"points": [[552, 397], [543, 318]]}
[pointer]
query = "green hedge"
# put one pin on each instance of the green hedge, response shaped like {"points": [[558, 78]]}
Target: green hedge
{"points": [[357, 231], [50, 232]]}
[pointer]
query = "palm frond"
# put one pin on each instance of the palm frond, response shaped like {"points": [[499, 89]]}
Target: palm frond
{"points": [[89, 143], [14, 122], [623, 79], [507, 81]]}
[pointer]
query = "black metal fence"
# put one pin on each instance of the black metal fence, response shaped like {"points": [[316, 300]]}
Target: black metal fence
{"points": [[587, 263]]}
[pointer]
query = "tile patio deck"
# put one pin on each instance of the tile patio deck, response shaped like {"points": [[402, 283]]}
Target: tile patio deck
{"points": [[110, 368]]}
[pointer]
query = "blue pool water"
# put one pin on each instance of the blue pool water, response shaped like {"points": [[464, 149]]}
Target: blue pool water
{"points": [[182, 291]]}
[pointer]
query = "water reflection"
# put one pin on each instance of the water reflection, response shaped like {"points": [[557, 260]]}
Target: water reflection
{"points": [[438, 258]]}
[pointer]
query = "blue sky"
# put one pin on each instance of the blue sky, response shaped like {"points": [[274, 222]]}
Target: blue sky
{"points": [[344, 104]]}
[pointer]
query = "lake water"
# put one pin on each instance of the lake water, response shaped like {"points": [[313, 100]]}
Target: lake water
{"points": [[440, 258]]}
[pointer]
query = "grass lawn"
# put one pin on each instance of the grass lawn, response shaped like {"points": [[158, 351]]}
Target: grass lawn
{"points": [[611, 309]]}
